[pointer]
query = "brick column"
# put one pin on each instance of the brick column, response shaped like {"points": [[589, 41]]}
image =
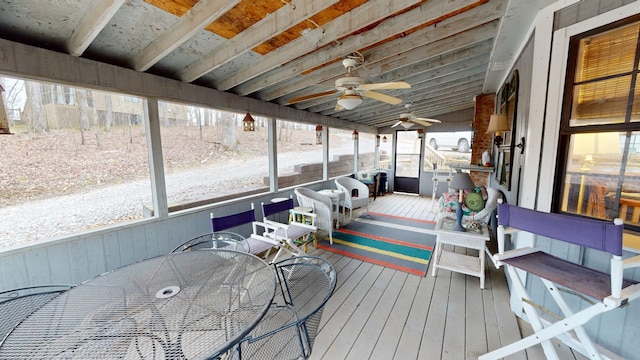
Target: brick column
{"points": [[485, 105]]}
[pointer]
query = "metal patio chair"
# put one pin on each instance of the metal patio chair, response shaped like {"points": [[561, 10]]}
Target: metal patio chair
{"points": [[17, 304], [289, 328], [215, 240]]}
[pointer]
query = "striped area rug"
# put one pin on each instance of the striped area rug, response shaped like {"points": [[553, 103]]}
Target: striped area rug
{"points": [[396, 242]]}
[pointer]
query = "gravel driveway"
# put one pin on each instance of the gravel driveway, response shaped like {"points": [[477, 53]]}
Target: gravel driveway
{"points": [[61, 216]]}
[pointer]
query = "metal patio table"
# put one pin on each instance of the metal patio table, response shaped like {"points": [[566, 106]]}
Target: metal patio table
{"points": [[187, 305]]}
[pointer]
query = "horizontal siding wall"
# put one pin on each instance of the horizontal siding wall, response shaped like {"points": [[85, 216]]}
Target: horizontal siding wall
{"points": [[75, 259]]}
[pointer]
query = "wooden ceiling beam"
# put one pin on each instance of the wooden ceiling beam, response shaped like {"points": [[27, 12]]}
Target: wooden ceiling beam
{"points": [[272, 25], [194, 20], [92, 23], [422, 83], [472, 26], [404, 62], [336, 40]]}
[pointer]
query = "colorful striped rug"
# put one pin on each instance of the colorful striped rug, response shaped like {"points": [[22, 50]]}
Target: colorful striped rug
{"points": [[396, 242]]}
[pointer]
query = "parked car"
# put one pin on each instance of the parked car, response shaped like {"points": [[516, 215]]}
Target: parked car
{"points": [[454, 140]]}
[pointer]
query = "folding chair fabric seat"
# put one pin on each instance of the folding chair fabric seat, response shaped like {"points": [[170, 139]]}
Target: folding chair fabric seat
{"points": [[257, 243], [587, 281], [294, 229], [607, 291]]}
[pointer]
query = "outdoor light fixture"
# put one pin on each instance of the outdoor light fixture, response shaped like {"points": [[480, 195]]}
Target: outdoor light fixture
{"points": [[420, 133], [248, 123], [384, 139], [461, 181], [354, 135], [318, 134], [377, 140], [498, 123], [349, 101]]}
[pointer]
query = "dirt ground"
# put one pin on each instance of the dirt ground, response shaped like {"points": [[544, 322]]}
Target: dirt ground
{"points": [[37, 166]]}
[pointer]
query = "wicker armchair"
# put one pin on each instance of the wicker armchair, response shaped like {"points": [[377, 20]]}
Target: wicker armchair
{"points": [[356, 193], [321, 206]]}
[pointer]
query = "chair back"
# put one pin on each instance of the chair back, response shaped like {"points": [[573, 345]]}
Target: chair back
{"points": [[595, 234], [320, 204], [17, 304], [277, 207], [216, 240], [221, 223]]}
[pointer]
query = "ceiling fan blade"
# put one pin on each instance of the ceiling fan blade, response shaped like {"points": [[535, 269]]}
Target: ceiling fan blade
{"points": [[311, 97], [381, 97], [385, 86], [420, 122], [396, 124], [436, 121]]}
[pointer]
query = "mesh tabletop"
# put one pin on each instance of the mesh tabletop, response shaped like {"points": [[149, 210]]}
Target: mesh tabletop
{"points": [[188, 305]]}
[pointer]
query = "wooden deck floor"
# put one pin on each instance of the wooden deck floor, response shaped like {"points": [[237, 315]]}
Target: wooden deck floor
{"points": [[380, 313]]}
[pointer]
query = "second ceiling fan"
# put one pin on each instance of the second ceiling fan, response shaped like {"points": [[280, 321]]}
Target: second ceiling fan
{"points": [[407, 119], [352, 88]]}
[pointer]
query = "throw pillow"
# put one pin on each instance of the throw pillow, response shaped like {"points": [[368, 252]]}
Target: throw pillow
{"points": [[474, 202]]}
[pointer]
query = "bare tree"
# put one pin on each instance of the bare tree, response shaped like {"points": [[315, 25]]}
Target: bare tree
{"points": [[227, 122], [34, 109], [108, 118], [84, 113]]}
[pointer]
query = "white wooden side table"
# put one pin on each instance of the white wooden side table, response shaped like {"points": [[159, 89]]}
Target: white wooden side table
{"points": [[461, 263]]}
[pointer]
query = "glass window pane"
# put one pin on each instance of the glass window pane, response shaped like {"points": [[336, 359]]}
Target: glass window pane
{"points": [[600, 102], [447, 148], [366, 151], [593, 174], [606, 54], [299, 157], [340, 152], [77, 161], [385, 151], [207, 155]]}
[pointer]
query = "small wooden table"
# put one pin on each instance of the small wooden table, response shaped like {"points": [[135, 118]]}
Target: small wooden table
{"points": [[465, 264]]}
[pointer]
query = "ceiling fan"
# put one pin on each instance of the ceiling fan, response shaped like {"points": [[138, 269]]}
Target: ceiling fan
{"points": [[352, 88], [407, 119]]}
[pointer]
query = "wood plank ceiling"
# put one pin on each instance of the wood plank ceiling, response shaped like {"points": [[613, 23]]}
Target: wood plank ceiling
{"points": [[278, 50]]}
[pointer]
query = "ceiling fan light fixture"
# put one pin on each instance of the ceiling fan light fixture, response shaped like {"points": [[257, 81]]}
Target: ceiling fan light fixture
{"points": [[349, 101], [406, 124]]}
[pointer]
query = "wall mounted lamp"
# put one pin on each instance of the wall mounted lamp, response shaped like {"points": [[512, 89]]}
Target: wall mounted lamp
{"points": [[498, 123], [377, 140], [354, 135]]}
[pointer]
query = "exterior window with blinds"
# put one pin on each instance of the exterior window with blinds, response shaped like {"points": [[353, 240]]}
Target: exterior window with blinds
{"points": [[599, 157]]}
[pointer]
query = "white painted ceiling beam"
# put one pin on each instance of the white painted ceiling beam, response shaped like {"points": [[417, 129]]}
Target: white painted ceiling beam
{"points": [[270, 26], [198, 17], [92, 23]]}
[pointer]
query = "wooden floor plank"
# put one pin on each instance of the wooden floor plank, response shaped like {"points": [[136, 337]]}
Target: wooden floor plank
{"points": [[383, 313]]}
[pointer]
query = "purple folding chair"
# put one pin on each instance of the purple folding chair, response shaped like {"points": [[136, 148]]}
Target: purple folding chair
{"points": [[256, 241], [604, 291], [297, 231]]}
